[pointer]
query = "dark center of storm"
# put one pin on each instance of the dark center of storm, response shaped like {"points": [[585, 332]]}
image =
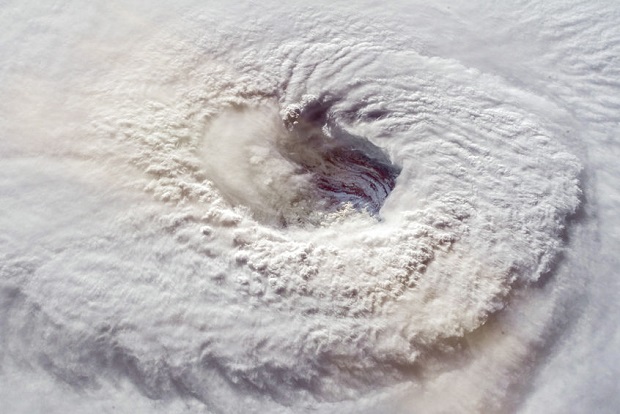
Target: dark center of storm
{"points": [[344, 168]]}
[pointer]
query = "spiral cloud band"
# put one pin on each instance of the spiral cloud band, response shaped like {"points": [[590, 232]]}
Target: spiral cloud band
{"points": [[288, 208]]}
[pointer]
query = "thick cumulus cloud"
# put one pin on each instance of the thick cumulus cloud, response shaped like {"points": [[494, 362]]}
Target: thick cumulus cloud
{"points": [[294, 208]]}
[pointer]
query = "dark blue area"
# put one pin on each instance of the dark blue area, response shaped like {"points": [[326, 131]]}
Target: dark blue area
{"points": [[344, 167]]}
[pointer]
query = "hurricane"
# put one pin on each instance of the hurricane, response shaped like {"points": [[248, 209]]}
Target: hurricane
{"points": [[266, 207]]}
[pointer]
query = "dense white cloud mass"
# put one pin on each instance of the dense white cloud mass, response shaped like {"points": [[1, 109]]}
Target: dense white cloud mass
{"points": [[290, 208]]}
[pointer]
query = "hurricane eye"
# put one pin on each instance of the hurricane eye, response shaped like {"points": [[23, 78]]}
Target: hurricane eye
{"points": [[344, 168]]}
